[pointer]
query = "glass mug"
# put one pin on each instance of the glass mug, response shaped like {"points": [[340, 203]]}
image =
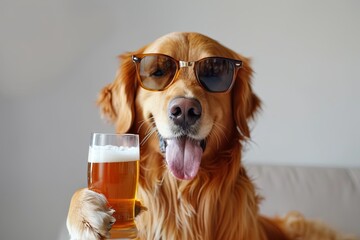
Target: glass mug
{"points": [[113, 170]]}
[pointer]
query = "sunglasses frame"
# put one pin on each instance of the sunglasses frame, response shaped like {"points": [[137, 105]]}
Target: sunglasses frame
{"points": [[182, 64]]}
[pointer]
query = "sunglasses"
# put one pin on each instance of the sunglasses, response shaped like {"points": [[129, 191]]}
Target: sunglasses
{"points": [[157, 72]]}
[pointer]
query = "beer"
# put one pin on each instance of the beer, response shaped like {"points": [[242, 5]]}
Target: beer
{"points": [[114, 171]]}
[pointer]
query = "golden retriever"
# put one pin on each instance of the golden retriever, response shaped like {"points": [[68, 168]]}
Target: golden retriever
{"points": [[190, 99]]}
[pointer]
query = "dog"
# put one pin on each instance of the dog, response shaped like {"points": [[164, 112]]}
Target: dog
{"points": [[190, 100]]}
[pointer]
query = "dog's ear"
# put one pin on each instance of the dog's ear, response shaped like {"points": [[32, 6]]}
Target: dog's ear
{"points": [[116, 100], [245, 102]]}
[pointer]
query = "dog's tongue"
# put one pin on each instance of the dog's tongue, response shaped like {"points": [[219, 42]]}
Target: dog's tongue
{"points": [[183, 156]]}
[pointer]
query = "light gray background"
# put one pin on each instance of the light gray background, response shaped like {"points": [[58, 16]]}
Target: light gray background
{"points": [[56, 55]]}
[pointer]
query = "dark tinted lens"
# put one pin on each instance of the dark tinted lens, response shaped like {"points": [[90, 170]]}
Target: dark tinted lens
{"points": [[215, 74], [156, 71]]}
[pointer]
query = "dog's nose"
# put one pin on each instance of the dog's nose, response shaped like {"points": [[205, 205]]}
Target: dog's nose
{"points": [[184, 111]]}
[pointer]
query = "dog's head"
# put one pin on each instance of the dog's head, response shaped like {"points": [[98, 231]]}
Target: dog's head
{"points": [[166, 93]]}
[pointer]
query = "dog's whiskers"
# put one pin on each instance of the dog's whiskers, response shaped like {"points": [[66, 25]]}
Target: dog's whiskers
{"points": [[151, 129], [141, 123], [150, 132]]}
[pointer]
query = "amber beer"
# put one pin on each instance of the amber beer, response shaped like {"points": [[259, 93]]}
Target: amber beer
{"points": [[113, 170]]}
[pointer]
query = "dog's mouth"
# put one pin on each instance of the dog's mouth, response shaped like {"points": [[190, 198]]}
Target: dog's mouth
{"points": [[183, 155]]}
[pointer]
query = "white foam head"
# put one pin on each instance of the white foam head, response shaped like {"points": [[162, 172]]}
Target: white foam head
{"points": [[110, 153]]}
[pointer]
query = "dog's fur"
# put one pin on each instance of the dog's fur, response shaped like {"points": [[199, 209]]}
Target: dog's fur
{"points": [[221, 201]]}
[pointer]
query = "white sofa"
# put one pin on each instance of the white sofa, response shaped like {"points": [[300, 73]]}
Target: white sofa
{"points": [[331, 195]]}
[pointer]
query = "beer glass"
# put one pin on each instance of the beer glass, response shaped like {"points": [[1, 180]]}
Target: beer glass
{"points": [[113, 170]]}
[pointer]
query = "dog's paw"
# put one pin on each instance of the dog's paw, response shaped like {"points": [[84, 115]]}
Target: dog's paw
{"points": [[300, 228], [295, 224], [89, 216]]}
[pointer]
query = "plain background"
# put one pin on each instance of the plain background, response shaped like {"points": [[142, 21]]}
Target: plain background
{"points": [[55, 56]]}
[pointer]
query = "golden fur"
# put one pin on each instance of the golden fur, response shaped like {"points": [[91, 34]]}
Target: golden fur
{"points": [[221, 201]]}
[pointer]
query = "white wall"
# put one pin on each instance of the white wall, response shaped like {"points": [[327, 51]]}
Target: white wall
{"points": [[56, 55]]}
